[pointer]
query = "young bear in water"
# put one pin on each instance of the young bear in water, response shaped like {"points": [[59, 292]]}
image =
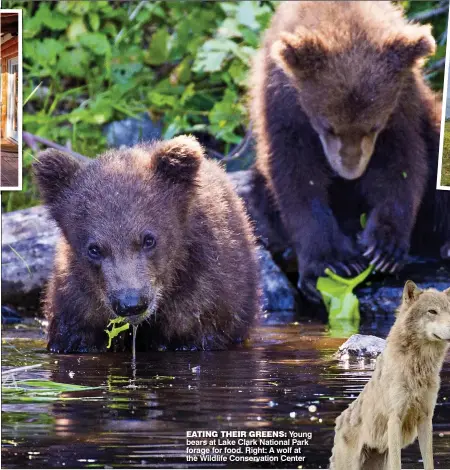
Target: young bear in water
{"points": [[154, 233], [345, 126]]}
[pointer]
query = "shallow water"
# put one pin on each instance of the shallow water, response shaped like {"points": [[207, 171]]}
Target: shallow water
{"points": [[140, 416]]}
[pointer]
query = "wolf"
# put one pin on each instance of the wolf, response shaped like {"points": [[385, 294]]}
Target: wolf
{"points": [[397, 403]]}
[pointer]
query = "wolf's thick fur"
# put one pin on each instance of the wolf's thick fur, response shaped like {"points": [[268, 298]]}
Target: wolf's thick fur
{"points": [[397, 403]]}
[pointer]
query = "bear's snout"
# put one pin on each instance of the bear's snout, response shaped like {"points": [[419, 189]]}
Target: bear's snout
{"points": [[128, 303]]}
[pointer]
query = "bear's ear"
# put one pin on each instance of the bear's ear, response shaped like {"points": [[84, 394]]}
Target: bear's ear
{"points": [[447, 292], [410, 293], [300, 54], [404, 50], [178, 159], [54, 171]]}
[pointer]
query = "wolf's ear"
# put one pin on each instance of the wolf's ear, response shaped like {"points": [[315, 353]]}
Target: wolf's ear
{"points": [[301, 54], [410, 292], [54, 171], [405, 49], [178, 159]]}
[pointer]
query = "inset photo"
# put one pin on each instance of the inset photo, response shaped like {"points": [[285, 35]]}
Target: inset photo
{"points": [[11, 99]]}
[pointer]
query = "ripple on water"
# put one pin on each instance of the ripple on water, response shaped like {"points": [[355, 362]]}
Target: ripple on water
{"points": [[286, 380]]}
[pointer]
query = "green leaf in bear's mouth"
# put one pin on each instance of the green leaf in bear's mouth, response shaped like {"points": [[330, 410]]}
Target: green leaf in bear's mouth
{"points": [[337, 293], [113, 329]]}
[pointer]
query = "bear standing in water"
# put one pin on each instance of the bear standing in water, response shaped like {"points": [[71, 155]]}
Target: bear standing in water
{"points": [[154, 233], [346, 125]]}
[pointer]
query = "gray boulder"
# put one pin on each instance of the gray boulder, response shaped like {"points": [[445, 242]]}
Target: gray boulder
{"points": [[361, 346], [278, 293], [28, 246]]}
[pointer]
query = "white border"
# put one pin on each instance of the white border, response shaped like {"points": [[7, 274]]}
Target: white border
{"points": [[19, 105], [9, 114], [444, 107]]}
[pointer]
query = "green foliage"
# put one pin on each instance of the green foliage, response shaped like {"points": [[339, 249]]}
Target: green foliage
{"points": [[423, 11], [445, 174], [337, 293], [184, 63], [40, 390], [341, 303]]}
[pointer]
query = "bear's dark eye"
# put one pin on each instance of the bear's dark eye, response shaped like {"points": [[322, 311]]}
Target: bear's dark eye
{"points": [[94, 252], [432, 311], [148, 241]]}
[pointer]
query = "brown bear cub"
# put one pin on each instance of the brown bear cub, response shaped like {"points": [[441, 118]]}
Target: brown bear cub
{"points": [[343, 119], [153, 233]]}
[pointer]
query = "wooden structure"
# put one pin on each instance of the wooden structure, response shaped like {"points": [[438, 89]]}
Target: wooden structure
{"points": [[9, 53]]}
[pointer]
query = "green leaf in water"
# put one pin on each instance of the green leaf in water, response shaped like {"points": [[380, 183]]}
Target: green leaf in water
{"points": [[112, 330], [40, 390], [48, 385], [341, 303]]}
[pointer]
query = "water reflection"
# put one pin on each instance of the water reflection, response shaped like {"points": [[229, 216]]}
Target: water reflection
{"points": [[286, 380]]}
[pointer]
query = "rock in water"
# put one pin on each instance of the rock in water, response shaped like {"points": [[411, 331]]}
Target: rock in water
{"points": [[278, 293], [357, 346], [28, 247]]}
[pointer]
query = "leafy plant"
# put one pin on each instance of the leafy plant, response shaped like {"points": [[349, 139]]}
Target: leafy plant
{"points": [[183, 63], [338, 294], [445, 174], [341, 303], [40, 390]]}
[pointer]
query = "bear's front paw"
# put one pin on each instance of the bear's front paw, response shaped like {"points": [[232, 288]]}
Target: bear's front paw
{"points": [[74, 342], [385, 245], [307, 282], [344, 259]]}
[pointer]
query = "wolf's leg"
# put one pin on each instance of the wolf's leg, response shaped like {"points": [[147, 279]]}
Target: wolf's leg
{"points": [[394, 443], [345, 457], [425, 434]]}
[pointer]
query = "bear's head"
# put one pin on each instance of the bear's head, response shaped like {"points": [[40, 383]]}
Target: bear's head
{"points": [[124, 219], [349, 84]]}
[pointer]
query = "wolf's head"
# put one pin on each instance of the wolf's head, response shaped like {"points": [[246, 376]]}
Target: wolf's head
{"points": [[426, 313]]}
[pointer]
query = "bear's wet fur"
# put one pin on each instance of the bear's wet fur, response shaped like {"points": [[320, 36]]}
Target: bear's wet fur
{"points": [[157, 222], [346, 125]]}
